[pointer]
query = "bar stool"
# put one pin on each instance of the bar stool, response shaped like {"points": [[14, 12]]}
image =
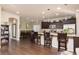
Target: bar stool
{"points": [[22, 35], [32, 37], [35, 37], [62, 41], [47, 39], [76, 43], [39, 40]]}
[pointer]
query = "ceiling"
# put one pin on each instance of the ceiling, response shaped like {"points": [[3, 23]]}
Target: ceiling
{"points": [[40, 11]]}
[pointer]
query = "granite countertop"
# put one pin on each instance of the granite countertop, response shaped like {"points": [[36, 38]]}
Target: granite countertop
{"points": [[55, 34]]}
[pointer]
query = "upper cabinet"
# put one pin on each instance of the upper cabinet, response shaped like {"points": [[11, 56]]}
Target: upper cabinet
{"points": [[58, 24], [45, 25], [70, 21]]}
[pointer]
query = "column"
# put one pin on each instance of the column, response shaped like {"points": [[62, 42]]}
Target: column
{"points": [[18, 28], [77, 23]]}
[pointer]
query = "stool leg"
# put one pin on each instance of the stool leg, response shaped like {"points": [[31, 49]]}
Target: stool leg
{"points": [[74, 51], [65, 46], [58, 46]]}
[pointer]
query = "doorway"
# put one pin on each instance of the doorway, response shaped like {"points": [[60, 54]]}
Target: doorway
{"points": [[13, 27]]}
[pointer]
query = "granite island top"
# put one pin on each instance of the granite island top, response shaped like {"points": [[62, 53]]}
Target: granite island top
{"points": [[55, 34]]}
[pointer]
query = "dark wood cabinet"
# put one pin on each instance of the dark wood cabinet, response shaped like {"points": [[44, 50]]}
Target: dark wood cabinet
{"points": [[45, 25], [59, 24], [4, 34], [70, 21]]}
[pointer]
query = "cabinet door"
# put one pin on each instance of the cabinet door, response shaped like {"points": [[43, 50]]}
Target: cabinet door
{"points": [[45, 25]]}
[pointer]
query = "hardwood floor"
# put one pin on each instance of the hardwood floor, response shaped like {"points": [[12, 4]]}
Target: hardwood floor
{"points": [[25, 47]]}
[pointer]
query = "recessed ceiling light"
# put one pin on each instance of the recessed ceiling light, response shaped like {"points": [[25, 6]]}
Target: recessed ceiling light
{"points": [[58, 8], [43, 12], [17, 12], [77, 10]]}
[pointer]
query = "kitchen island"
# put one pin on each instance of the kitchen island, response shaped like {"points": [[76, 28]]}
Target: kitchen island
{"points": [[55, 41]]}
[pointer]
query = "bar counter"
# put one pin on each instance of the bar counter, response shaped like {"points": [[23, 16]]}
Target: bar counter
{"points": [[55, 42]]}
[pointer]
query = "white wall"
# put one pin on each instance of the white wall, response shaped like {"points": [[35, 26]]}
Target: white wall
{"points": [[5, 19], [0, 23], [6, 15], [36, 28], [24, 22], [0, 15]]}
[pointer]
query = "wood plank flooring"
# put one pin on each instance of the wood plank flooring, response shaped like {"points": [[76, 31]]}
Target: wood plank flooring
{"points": [[25, 47]]}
